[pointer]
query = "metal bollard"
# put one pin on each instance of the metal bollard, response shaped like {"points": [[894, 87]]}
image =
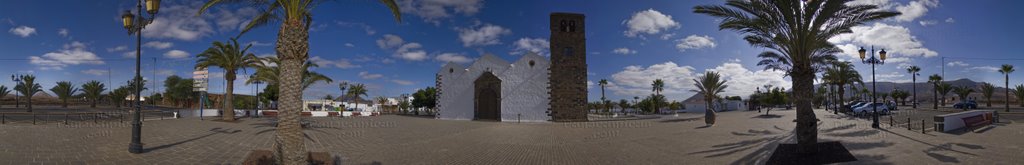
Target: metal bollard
{"points": [[908, 124], [95, 117], [3, 118], [65, 118], [121, 116], [891, 121], [922, 126], [33, 119]]}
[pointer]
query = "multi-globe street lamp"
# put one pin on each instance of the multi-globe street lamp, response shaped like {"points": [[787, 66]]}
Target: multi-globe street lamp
{"points": [[134, 24], [874, 93], [17, 80]]}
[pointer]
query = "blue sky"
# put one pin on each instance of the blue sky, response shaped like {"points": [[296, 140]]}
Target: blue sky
{"points": [[629, 43]]}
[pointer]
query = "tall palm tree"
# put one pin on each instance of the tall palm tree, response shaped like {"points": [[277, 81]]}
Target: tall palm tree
{"points": [[28, 88], [356, 90], [842, 74], [4, 92], [986, 91], [119, 95], [292, 47], [623, 104], [231, 57], [914, 70], [935, 79], [64, 90], [1006, 69], [963, 92], [797, 33], [93, 90], [944, 89], [710, 85], [657, 86]]}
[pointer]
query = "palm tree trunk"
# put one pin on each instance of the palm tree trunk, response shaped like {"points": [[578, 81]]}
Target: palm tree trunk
{"points": [[93, 105], [292, 48], [64, 103], [229, 107], [841, 101], [806, 121], [29, 103], [935, 94], [709, 112], [1007, 92]]}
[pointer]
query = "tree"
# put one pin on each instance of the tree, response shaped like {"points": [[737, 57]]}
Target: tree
{"points": [[943, 89], [1006, 69], [884, 96], [355, 91], [900, 95], [93, 90], [4, 92], [963, 92], [710, 85], [382, 101], [179, 90], [797, 33], [1019, 92], [119, 95], [986, 91], [404, 105], [773, 97], [935, 79], [603, 83], [623, 104], [841, 74], [425, 98], [913, 70], [64, 90], [268, 71], [657, 86], [328, 97], [28, 88], [231, 57]]}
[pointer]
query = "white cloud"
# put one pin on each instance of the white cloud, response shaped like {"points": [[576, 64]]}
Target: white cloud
{"points": [[636, 80], [349, 45], [390, 41], [525, 45], [984, 68], [408, 51], [63, 32], [433, 11], [487, 34], [176, 54], [950, 20], [928, 22], [368, 76], [23, 31], [118, 48], [129, 54], [74, 53], [367, 28], [179, 21], [411, 51], [169, 72], [590, 84], [649, 21], [623, 50], [95, 72], [957, 63], [228, 20], [695, 42], [453, 57], [915, 9], [897, 39], [667, 36], [340, 63], [403, 82], [158, 45]]}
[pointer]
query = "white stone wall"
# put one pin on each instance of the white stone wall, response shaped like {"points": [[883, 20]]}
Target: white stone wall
{"points": [[523, 95]]}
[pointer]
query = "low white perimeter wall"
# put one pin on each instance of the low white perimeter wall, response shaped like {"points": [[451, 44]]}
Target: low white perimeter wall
{"points": [[211, 112], [954, 121]]}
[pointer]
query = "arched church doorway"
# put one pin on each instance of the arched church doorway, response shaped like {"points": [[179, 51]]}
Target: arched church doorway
{"points": [[487, 98]]}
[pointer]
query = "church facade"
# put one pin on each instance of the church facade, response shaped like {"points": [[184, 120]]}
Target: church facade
{"points": [[531, 89]]}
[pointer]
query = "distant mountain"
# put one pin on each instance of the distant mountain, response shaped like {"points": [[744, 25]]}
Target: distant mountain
{"points": [[925, 90]]}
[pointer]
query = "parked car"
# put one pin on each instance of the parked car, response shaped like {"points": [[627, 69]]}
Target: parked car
{"points": [[969, 104], [849, 107], [870, 107]]}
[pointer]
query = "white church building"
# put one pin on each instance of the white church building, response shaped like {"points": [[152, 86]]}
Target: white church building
{"points": [[515, 91]]}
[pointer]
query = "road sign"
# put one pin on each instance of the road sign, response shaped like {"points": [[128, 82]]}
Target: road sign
{"points": [[200, 80]]}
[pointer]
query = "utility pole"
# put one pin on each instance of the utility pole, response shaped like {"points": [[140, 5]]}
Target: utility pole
{"points": [[943, 67]]}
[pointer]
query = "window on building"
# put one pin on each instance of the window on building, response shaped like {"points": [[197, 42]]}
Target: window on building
{"points": [[564, 26], [567, 51], [572, 26]]}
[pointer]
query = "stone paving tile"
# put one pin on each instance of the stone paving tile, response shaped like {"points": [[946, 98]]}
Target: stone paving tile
{"points": [[738, 138]]}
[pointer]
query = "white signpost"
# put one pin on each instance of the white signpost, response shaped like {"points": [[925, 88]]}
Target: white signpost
{"points": [[200, 83]]}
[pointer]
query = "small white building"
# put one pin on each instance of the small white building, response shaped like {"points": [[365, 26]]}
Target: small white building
{"points": [[695, 104], [493, 89]]}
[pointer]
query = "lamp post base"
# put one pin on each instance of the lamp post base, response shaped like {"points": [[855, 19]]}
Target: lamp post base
{"points": [[135, 148], [874, 120]]}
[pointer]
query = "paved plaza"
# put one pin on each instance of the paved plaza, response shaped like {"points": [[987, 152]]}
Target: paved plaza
{"points": [[738, 138]]}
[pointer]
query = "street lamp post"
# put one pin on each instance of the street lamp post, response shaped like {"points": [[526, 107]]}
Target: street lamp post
{"points": [[874, 96], [17, 80], [134, 24], [257, 98]]}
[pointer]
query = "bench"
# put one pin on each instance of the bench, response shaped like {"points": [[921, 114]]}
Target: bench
{"points": [[976, 121]]}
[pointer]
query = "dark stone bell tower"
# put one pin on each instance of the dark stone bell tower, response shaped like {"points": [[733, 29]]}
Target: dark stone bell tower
{"points": [[568, 74]]}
